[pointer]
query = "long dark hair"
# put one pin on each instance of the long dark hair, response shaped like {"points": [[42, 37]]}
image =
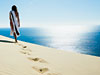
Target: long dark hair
{"points": [[14, 8]]}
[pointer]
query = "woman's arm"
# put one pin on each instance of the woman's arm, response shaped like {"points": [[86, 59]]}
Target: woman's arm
{"points": [[11, 24]]}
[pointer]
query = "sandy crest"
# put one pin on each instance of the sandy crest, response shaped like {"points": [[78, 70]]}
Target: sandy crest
{"points": [[29, 59]]}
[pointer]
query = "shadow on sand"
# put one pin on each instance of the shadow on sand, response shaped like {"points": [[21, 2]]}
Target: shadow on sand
{"points": [[6, 41]]}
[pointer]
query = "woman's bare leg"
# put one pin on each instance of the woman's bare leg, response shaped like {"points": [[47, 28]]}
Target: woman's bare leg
{"points": [[15, 37]]}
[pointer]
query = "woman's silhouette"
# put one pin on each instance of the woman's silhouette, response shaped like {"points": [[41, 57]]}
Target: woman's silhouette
{"points": [[14, 22]]}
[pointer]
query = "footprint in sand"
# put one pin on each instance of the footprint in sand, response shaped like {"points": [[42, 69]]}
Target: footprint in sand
{"points": [[25, 49], [21, 45], [25, 52], [24, 46], [40, 70], [37, 60]]}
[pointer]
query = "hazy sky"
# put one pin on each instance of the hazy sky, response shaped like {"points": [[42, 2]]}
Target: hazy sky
{"points": [[52, 12]]}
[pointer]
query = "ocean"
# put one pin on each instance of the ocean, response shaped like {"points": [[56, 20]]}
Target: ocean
{"points": [[80, 39]]}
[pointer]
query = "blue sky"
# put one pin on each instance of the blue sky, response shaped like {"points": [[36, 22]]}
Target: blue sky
{"points": [[52, 12]]}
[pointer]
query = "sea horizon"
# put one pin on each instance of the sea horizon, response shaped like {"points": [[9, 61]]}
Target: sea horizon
{"points": [[79, 39]]}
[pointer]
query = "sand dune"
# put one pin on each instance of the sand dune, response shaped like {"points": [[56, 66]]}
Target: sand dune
{"points": [[29, 59]]}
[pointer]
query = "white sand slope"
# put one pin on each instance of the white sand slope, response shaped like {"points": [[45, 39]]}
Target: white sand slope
{"points": [[29, 59]]}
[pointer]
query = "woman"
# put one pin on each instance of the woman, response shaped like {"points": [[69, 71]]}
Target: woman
{"points": [[14, 22]]}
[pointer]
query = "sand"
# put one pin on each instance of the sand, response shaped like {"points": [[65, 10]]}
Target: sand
{"points": [[30, 59]]}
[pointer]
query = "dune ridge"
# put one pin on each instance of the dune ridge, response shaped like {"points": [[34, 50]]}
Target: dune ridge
{"points": [[24, 58]]}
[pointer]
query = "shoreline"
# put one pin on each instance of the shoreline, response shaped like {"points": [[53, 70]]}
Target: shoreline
{"points": [[24, 58]]}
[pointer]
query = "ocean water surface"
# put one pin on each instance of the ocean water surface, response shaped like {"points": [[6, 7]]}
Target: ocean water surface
{"points": [[80, 39]]}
